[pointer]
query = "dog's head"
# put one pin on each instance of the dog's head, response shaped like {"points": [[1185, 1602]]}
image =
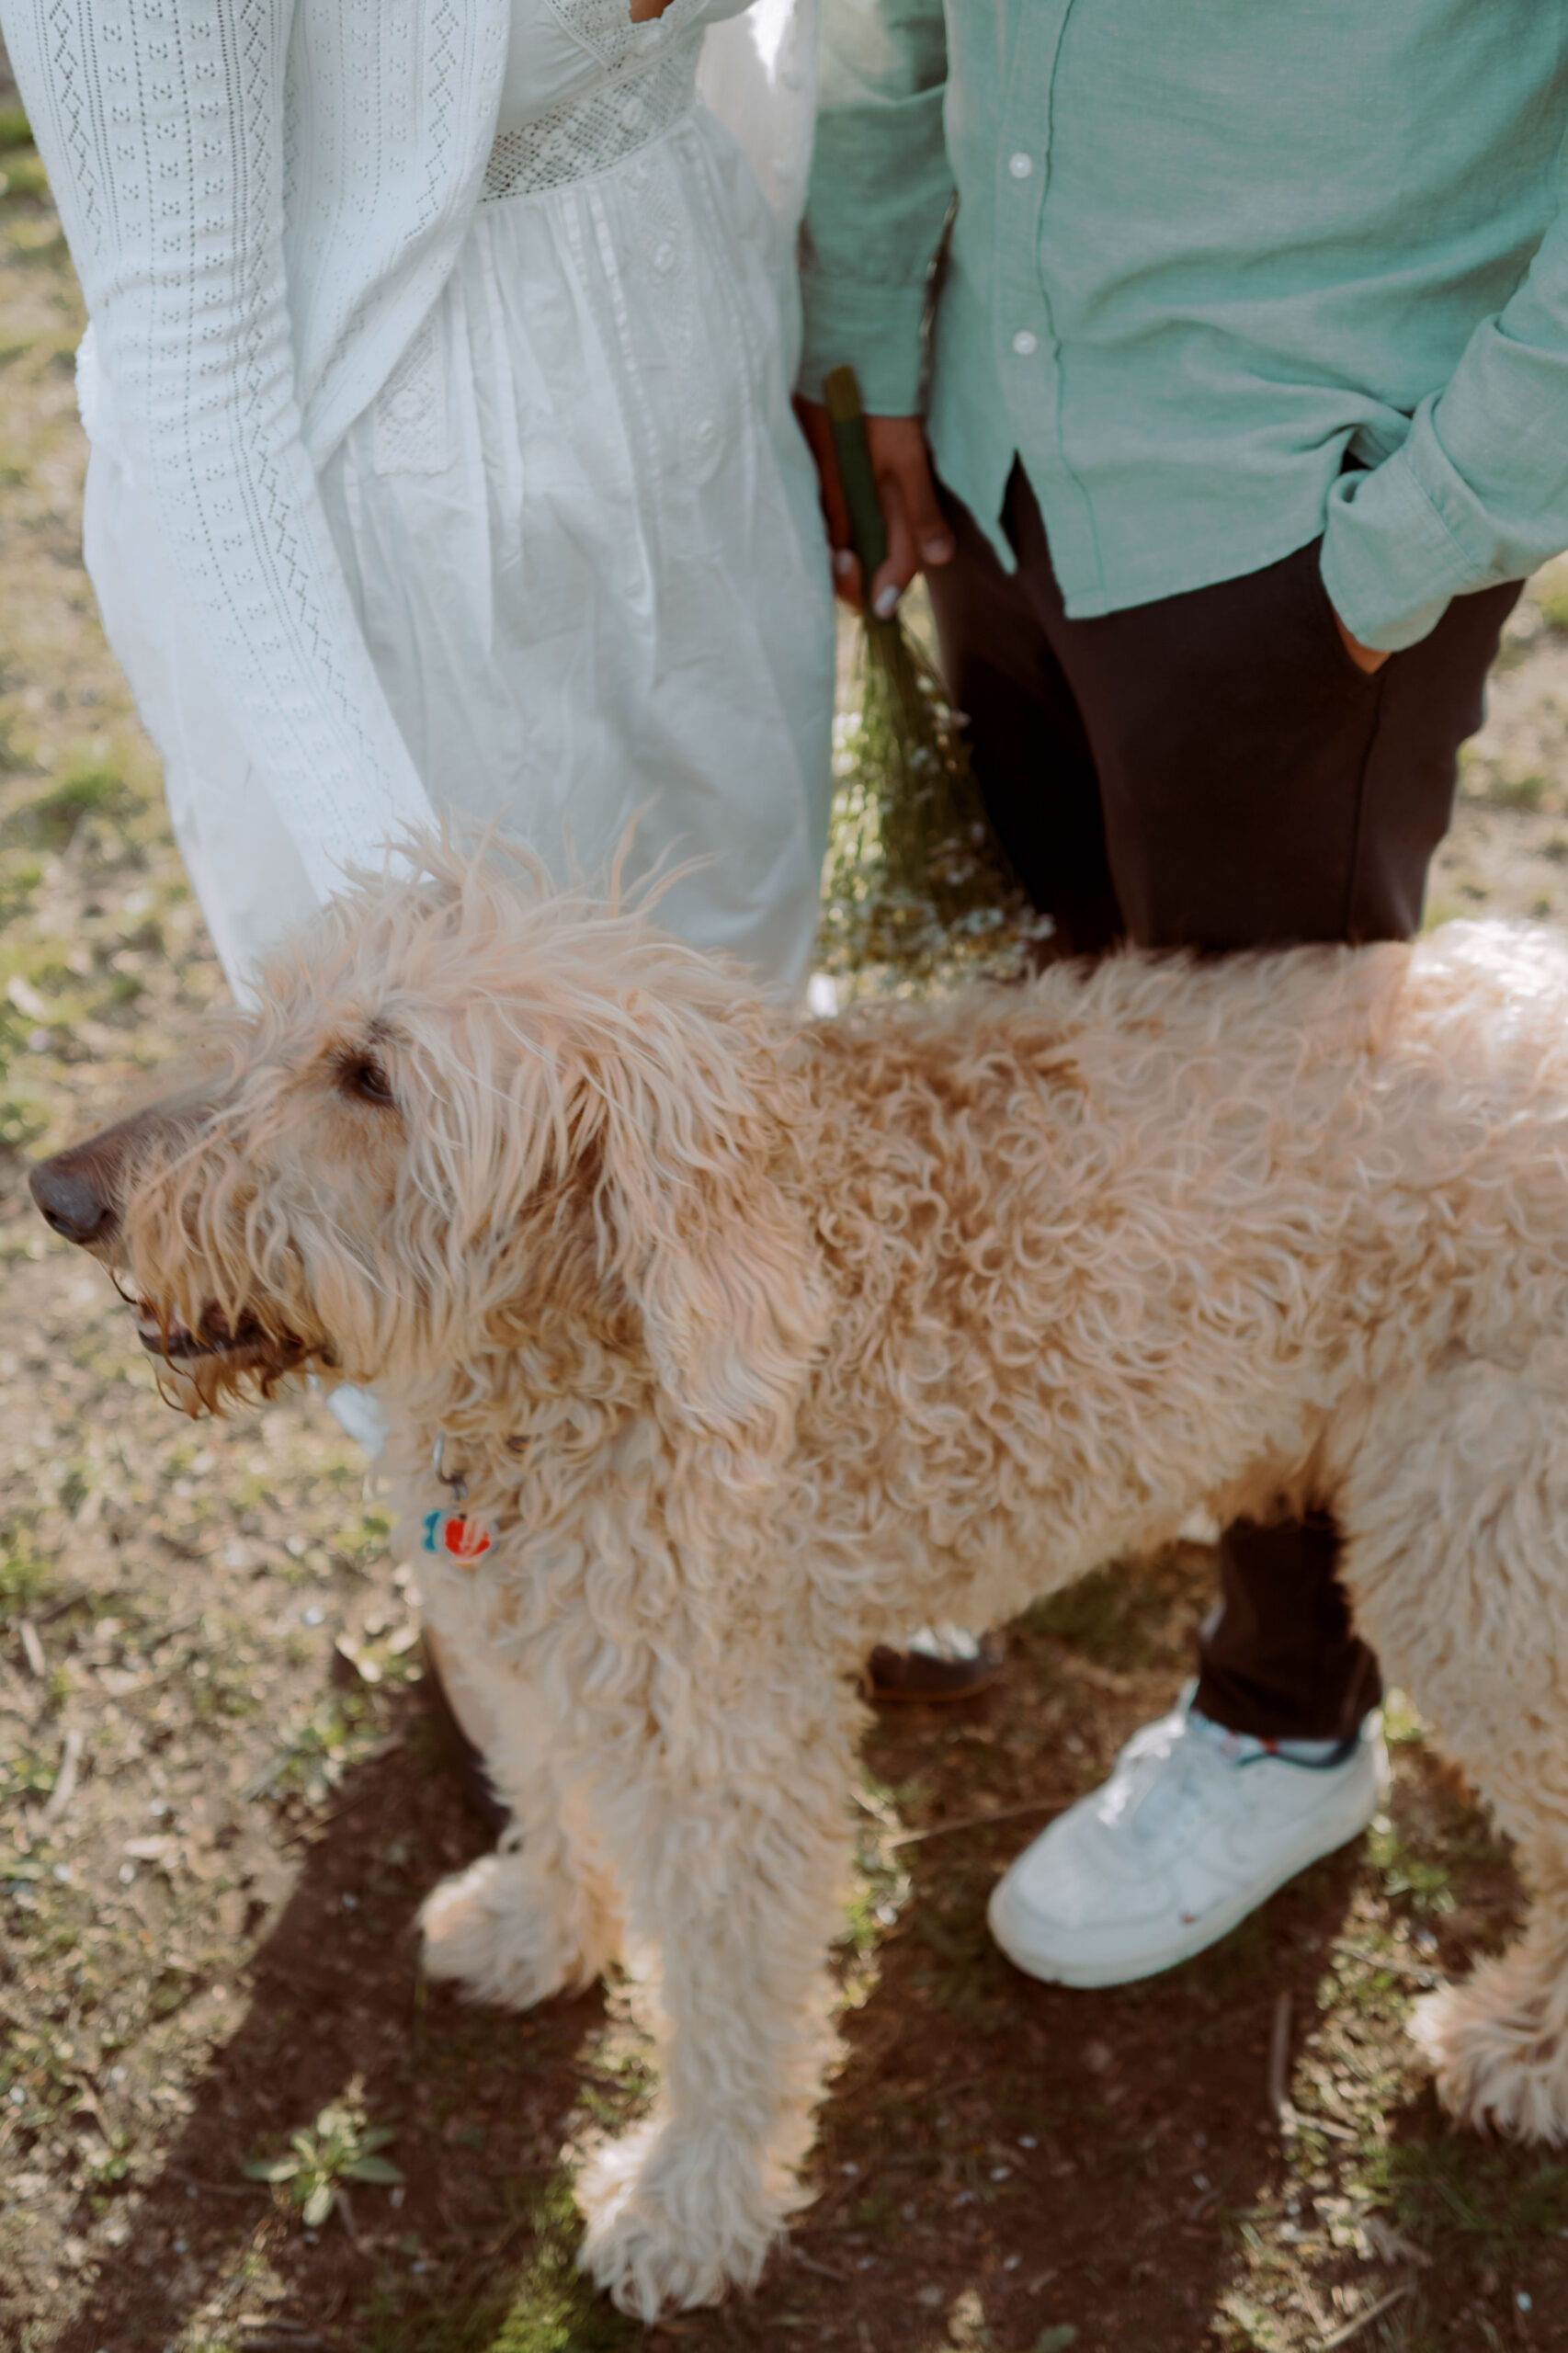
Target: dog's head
{"points": [[468, 1115]]}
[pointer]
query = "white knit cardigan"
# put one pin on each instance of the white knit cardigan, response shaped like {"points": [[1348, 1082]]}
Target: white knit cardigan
{"points": [[263, 198]]}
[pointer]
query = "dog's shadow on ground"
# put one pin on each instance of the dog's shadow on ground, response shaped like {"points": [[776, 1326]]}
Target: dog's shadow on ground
{"points": [[1010, 2158], [998, 2157], [478, 2105]]}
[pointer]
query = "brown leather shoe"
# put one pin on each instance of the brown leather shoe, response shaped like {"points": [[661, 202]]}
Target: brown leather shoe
{"points": [[942, 1665]]}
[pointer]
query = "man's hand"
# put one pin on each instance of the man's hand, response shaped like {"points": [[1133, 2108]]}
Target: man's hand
{"points": [[1366, 657], [917, 529]]}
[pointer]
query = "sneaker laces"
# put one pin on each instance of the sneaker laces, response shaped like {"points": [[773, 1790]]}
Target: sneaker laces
{"points": [[1169, 1777]]}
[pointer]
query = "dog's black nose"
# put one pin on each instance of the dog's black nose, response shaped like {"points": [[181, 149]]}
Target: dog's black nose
{"points": [[71, 1199]]}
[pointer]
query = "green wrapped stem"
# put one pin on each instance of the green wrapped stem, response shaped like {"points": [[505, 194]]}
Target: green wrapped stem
{"points": [[847, 419]]}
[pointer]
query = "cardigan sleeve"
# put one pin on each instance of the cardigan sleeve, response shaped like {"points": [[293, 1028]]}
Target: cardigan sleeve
{"points": [[160, 123]]}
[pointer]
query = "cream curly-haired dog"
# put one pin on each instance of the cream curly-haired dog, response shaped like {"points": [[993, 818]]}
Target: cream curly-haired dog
{"points": [[753, 1344]]}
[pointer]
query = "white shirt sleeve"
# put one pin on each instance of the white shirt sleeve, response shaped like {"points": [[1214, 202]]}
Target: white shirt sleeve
{"points": [[160, 123]]}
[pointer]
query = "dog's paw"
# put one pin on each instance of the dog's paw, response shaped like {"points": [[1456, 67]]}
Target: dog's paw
{"points": [[510, 1938], [1499, 2055], [673, 2220]]}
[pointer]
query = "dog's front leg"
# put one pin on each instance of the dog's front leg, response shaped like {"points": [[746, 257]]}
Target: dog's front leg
{"points": [[737, 1871], [541, 1914]]}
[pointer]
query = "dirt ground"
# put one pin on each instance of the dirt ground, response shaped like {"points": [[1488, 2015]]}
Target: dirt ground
{"points": [[222, 1799]]}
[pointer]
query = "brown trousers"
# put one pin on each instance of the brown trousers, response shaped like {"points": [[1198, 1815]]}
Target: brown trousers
{"points": [[1214, 771]]}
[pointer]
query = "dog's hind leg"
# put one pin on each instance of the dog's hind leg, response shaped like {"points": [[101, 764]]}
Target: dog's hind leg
{"points": [[737, 1871], [1456, 1505], [541, 1914]]}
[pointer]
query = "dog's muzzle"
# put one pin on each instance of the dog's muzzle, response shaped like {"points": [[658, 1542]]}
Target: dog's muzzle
{"points": [[79, 1192]]}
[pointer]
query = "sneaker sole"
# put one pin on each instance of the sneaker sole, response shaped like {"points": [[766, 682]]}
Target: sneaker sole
{"points": [[1087, 1976]]}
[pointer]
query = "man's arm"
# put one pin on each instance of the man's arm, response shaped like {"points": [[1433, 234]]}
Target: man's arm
{"points": [[881, 190], [1478, 493]]}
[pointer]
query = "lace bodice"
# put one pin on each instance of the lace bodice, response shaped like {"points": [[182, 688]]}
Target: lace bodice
{"points": [[585, 87]]}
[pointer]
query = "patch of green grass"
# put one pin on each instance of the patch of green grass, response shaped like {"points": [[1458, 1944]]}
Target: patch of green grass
{"points": [[968, 1975], [1402, 1724], [1516, 791], [28, 1772], [365, 1540], [1554, 611], [1499, 2200], [52, 818], [543, 2306], [1109, 1617], [340, 1732], [1409, 1877], [23, 173], [1243, 2323], [21, 877], [1442, 910], [340, 2148], [25, 1579], [15, 129]]}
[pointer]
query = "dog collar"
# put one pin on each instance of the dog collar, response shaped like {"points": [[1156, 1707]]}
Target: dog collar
{"points": [[453, 1533]]}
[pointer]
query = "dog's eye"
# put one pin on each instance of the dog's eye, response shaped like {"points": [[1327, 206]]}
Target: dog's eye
{"points": [[362, 1076]]}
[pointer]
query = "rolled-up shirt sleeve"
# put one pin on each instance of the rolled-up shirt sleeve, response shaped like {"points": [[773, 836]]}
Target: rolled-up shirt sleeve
{"points": [[1477, 492], [881, 190]]}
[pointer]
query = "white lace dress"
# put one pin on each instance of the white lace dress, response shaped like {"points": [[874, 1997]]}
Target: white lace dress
{"points": [[579, 522]]}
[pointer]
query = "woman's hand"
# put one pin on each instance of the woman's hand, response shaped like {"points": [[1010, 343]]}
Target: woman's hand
{"points": [[917, 531]]}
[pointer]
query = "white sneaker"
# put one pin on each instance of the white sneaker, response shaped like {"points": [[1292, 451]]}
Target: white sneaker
{"points": [[1194, 1829]]}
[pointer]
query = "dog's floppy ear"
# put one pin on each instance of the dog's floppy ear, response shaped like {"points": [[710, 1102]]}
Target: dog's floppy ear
{"points": [[709, 1248]]}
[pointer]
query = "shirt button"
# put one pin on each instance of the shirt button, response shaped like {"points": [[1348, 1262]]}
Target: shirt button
{"points": [[1021, 165], [1024, 343]]}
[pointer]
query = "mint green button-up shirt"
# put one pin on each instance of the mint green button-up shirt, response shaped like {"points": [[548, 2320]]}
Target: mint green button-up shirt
{"points": [[1223, 275]]}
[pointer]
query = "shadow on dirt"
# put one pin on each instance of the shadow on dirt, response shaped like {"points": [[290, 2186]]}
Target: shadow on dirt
{"points": [[998, 2158], [477, 2104]]}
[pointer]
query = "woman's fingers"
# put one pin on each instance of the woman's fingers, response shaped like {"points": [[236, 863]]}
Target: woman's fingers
{"points": [[917, 531]]}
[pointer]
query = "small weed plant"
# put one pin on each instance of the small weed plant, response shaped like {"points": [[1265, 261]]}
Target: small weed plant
{"points": [[342, 2146]]}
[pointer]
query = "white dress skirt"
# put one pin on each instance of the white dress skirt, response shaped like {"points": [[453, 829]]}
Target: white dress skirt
{"points": [[579, 525]]}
